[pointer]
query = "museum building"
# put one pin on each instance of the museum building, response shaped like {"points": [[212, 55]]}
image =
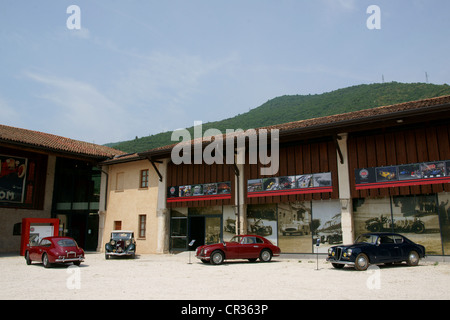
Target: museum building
{"points": [[336, 177], [380, 169], [46, 176]]}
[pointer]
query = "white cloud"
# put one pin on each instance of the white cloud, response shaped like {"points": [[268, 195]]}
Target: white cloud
{"points": [[78, 109], [153, 95]]}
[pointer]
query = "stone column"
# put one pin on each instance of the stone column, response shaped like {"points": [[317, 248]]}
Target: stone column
{"points": [[102, 206], [344, 191], [162, 212]]}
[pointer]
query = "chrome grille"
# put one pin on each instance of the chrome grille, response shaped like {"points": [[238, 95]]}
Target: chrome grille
{"points": [[338, 253]]}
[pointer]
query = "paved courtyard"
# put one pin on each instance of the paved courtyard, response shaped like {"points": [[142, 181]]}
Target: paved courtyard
{"points": [[183, 277]]}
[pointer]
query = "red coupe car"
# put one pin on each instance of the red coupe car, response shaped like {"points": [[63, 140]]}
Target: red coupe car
{"points": [[249, 247], [55, 250]]}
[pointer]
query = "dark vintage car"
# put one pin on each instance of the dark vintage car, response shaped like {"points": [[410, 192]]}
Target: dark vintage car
{"points": [[376, 248], [55, 249], [121, 243], [249, 247]]}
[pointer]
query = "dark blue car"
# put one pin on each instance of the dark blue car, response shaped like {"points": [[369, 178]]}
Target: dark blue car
{"points": [[376, 248]]}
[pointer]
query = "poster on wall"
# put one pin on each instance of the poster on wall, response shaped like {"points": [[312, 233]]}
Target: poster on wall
{"points": [[288, 185], [262, 221], [416, 217], [12, 178], [326, 224], [402, 175], [196, 192], [294, 227]]}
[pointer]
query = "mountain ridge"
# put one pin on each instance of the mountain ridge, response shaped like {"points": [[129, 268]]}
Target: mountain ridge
{"points": [[288, 108]]}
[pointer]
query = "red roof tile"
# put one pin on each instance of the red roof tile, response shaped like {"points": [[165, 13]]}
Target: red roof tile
{"points": [[55, 143]]}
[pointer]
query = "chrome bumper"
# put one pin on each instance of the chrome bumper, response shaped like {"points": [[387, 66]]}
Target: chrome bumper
{"points": [[123, 253], [62, 260], [333, 260]]}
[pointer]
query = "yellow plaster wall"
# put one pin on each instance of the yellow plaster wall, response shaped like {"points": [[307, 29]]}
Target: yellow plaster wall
{"points": [[126, 201]]}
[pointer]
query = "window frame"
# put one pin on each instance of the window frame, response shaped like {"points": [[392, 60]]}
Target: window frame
{"points": [[143, 178], [142, 226]]}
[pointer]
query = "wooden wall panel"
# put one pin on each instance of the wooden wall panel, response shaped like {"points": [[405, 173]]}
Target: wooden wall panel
{"points": [[424, 144], [186, 174], [300, 159]]}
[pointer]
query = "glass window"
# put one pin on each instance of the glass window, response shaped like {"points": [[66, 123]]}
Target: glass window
{"points": [[45, 243], [444, 220], [178, 229], [144, 179], [67, 243], [397, 239], [386, 240], [142, 225]]}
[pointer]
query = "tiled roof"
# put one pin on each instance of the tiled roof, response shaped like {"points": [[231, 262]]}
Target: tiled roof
{"points": [[364, 115], [40, 140], [361, 117]]}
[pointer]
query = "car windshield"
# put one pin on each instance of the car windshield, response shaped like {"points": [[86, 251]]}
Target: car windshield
{"points": [[67, 243], [367, 238], [236, 239], [121, 235]]}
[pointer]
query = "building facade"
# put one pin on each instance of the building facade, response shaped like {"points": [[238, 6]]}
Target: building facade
{"points": [[48, 176], [382, 169]]}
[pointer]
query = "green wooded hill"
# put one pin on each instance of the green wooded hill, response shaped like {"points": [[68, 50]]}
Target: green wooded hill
{"points": [[299, 107]]}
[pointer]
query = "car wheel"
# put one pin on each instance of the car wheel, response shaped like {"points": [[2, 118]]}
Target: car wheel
{"points": [[265, 255], [413, 258], [361, 262], [27, 258], [45, 261], [217, 257]]}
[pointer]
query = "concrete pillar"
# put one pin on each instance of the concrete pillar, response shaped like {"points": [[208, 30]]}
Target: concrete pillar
{"points": [[344, 191], [102, 206], [162, 212], [240, 201]]}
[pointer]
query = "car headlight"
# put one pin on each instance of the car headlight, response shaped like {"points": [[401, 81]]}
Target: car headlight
{"points": [[330, 252], [348, 253], [112, 242], [127, 243]]}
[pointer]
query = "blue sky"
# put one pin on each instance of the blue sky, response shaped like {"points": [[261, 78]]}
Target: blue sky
{"points": [[140, 67]]}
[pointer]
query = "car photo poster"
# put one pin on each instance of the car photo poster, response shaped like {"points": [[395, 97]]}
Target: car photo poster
{"points": [[403, 175], [12, 178], [289, 185]]}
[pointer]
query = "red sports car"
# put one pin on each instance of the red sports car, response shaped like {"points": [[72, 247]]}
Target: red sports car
{"points": [[55, 250], [249, 247]]}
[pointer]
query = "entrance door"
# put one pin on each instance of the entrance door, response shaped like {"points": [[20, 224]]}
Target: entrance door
{"points": [[92, 232], [196, 231]]}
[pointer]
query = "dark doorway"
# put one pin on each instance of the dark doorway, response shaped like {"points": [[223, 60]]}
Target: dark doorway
{"points": [[196, 231], [77, 228], [92, 233]]}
